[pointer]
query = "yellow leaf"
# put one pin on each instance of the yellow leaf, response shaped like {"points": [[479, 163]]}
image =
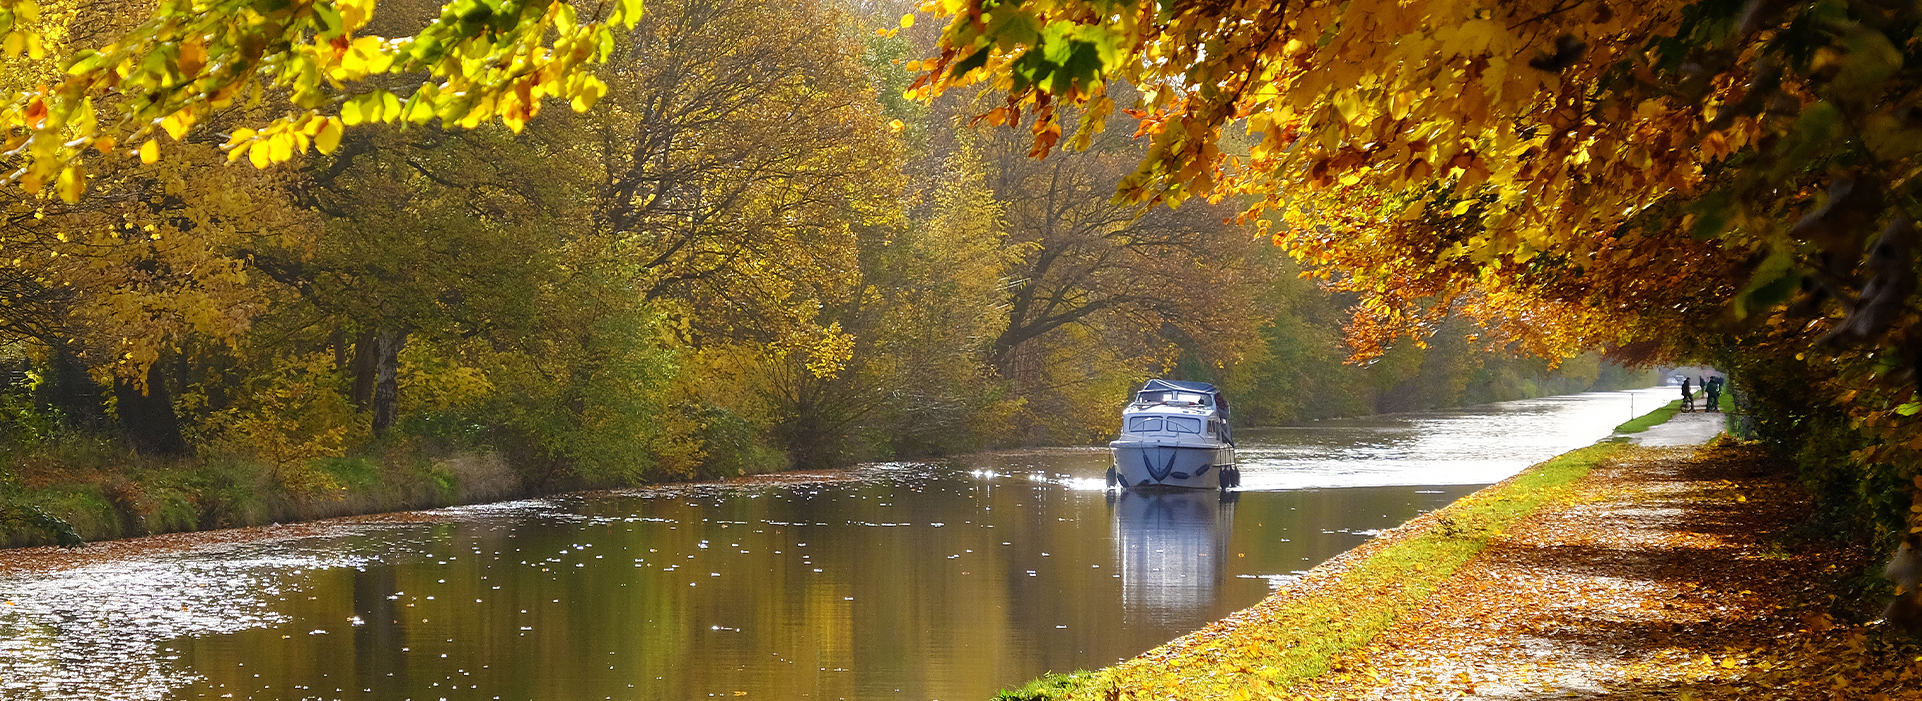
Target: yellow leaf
{"points": [[389, 106], [260, 155], [590, 92], [177, 124], [15, 43], [72, 183], [629, 13], [907, 20], [365, 57], [329, 137], [150, 151], [1412, 211], [35, 177]]}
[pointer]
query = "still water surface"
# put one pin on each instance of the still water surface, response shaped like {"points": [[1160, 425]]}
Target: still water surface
{"points": [[944, 580]]}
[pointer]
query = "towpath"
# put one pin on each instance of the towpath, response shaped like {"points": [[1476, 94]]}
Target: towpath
{"points": [[1672, 573], [1684, 429]]}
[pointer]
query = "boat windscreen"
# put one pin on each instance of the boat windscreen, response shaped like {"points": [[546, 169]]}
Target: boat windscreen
{"points": [[1183, 424]]}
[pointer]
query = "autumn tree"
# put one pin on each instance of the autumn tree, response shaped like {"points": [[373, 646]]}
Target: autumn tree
{"points": [[1138, 278], [102, 289], [922, 317]]}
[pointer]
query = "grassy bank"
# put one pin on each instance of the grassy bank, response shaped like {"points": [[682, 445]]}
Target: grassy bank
{"points": [[1341, 604], [1650, 419], [105, 492]]}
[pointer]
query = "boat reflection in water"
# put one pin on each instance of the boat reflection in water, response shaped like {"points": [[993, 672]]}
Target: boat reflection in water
{"points": [[1171, 547]]}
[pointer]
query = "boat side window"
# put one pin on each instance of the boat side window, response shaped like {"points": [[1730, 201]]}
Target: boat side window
{"points": [[1144, 424], [1183, 424]]}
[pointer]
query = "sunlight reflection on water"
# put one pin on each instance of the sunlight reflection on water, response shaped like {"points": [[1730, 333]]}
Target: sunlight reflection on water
{"points": [[96, 632]]}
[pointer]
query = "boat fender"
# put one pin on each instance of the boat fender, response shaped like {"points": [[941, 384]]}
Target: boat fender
{"points": [[1203, 470], [1111, 477], [1178, 475]]}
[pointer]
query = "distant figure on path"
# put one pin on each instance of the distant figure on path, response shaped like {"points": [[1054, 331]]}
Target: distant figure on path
{"points": [[1688, 398], [1714, 390]]}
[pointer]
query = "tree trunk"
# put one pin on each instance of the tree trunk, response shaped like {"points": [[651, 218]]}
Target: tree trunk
{"points": [[72, 392], [338, 339], [386, 383], [147, 418], [366, 356]]}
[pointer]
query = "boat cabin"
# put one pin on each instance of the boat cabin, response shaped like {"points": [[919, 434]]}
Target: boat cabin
{"points": [[1176, 407], [1175, 434], [1178, 393]]}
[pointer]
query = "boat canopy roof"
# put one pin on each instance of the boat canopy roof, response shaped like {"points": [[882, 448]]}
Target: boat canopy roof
{"points": [[1154, 385], [1160, 391]]}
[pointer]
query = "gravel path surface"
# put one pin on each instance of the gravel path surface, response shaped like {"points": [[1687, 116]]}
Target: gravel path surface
{"points": [[1670, 575], [1691, 428]]}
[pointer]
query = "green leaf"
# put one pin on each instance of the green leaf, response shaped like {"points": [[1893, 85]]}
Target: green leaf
{"points": [[1813, 131], [1012, 28], [1083, 67], [330, 21]]}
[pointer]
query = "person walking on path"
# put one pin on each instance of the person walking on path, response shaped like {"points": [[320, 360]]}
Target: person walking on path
{"points": [[1688, 398]]}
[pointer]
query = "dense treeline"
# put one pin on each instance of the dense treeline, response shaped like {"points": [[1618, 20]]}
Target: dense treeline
{"points": [[752, 255]]}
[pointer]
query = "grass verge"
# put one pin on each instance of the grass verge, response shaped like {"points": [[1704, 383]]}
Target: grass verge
{"points": [[1652, 419], [1342, 604]]}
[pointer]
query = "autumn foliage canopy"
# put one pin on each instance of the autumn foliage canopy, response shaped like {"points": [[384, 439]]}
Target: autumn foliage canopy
{"points": [[1731, 180]]}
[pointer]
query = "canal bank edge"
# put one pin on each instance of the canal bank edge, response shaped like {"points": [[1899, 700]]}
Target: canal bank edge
{"points": [[1340, 604]]}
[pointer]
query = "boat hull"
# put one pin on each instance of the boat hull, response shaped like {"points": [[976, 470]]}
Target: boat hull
{"points": [[1147, 464]]}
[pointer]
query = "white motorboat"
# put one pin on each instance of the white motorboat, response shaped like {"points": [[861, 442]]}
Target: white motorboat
{"points": [[1175, 434]]}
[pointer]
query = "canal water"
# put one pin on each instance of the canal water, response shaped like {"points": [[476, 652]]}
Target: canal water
{"points": [[944, 580]]}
